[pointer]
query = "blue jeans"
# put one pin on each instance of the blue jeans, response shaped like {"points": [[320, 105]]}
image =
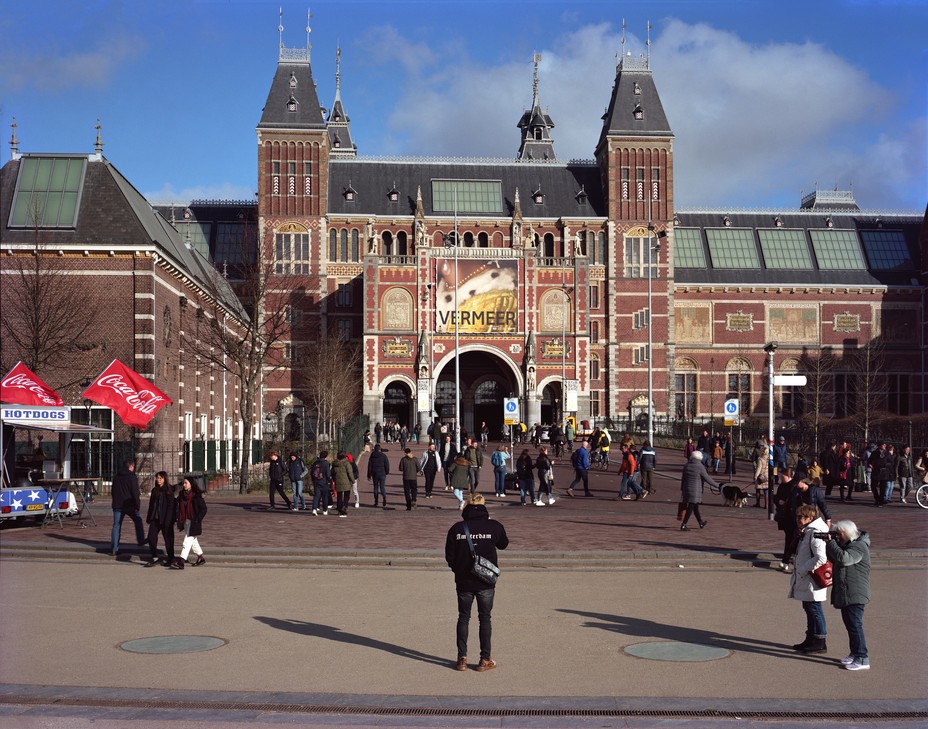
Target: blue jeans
{"points": [[499, 476], [853, 617], [629, 482], [581, 475], [321, 496], [815, 618], [527, 484], [118, 516], [380, 487], [484, 608], [888, 491], [298, 500]]}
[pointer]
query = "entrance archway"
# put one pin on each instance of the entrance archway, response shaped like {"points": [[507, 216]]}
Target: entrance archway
{"points": [[551, 403], [397, 404], [486, 379]]}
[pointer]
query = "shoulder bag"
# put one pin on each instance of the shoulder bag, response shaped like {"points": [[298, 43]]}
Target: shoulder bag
{"points": [[821, 576], [483, 569]]}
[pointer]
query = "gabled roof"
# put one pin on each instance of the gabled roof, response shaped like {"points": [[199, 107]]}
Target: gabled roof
{"points": [[634, 88], [292, 79], [373, 179]]}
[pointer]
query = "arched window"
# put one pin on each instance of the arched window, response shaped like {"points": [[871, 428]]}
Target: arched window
{"points": [[387, 243], [468, 240], [548, 251], [402, 247], [483, 240], [333, 244], [488, 393], [343, 253], [602, 248], [790, 397], [738, 376], [685, 386], [594, 367], [355, 246]]}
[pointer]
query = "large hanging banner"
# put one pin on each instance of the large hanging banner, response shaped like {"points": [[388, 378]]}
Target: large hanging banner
{"points": [[486, 296], [133, 398], [21, 385]]}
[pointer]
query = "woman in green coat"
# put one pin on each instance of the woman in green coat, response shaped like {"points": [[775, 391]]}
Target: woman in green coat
{"points": [[849, 553], [343, 475]]}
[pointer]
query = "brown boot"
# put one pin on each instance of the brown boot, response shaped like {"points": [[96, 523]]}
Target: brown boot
{"points": [[462, 663], [486, 664]]}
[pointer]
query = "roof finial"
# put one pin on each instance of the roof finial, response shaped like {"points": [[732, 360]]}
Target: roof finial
{"points": [[280, 26], [14, 142], [537, 58], [648, 43], [309, 45], [338, 72], [98, 147]]}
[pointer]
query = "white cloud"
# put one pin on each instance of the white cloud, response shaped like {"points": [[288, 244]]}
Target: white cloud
{"points": [[754, 124], [224, 191]]}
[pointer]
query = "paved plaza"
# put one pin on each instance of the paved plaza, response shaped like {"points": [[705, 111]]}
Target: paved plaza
{"points": [[606, 615]]}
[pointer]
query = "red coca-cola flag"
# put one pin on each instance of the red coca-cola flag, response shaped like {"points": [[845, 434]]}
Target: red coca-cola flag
{"points": [[131, 396], [23, 387]]}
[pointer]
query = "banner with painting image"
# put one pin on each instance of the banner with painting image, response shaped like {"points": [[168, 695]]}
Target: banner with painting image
{"points": [[486, 296]]}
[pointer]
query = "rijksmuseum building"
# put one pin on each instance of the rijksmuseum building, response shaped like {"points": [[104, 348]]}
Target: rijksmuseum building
{"points": [[529, 277]]}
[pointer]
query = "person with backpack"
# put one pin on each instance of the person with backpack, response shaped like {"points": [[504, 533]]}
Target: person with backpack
{"points": [[647, 462], [430, 465], [409, 468], [321, 474], [296, 472], [498, 459], [275, 475], [580, 460], [474, 456], [627, 471], [377, 469]]}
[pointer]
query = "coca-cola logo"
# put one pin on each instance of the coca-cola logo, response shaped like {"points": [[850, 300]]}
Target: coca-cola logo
{"points": [[145, 401], [22, 382]]}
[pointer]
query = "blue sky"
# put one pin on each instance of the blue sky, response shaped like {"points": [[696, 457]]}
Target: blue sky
{"points": [[767, 99]]}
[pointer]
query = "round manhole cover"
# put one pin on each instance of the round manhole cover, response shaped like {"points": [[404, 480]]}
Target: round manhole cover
{"points": [[671, 650], [173, 644]]}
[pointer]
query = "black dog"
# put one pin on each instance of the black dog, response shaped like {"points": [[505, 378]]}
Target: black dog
{"points": [[734, 496]]}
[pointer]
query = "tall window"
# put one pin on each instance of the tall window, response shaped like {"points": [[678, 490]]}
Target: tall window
{"points": [[625, 183], [595, 406], [344, 329], [684, 405], [594, 367], [897, 393], [843, 397], [355, 246], [333, 244], [594, 331], [275, 178], [636, 258], [343, 248], [639, 183], [594, 296], [291, 253], [307, 178], [739, 388], [343, 297], [291, 178], [655, 183]]}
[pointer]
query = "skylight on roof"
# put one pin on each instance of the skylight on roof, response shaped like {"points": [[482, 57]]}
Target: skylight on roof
{"points": [[732, 248], [47, 193], [467, 196], [886, 249], [837, 250], [689, 252], [784, 249]]}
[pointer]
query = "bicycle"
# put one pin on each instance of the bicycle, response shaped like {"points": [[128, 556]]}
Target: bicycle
{"points": [[600, 460], [921, 496]]}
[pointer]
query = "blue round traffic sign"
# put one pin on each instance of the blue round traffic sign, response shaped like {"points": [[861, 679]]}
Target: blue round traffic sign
{"points": [[511, 406]]}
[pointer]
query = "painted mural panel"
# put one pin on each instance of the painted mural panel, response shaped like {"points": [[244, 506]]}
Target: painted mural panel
{"points": [[694, 324], [798, 324], [486, 295]]}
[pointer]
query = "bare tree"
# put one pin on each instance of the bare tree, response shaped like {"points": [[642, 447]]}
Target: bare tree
{"points": [[247, 343], [870, 384], [46, 313], [332, 374], [818, 393]]}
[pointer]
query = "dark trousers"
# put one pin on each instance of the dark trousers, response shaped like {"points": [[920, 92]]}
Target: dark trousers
{"points": [[411, 492], [278, 488], [692, 509], [581, 475], [484, 608], [380, 487], [647, 481], [341, 501], [853, 617], [322, 496], [474, 475], [429, 481], [167, 531]]}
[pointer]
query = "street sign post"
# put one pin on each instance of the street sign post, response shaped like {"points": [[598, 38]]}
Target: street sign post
{"points": [[732, 413], [789, 380], [511, 411]]}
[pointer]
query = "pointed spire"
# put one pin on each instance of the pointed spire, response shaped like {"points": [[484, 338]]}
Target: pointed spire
{"points": [[280, 27], [309, 46], [537, 58], [98, 146], [14, 142], [536, 125], [649, 44], [338, 73]]}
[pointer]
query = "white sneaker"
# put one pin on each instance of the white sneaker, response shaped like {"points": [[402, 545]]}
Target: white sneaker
{"points": [[315, 513], [903, 501], [294, 509], [551, 501], [325, 512], [539, 503], [342, 516], [855, 666], [357, 504], [847, 660]]}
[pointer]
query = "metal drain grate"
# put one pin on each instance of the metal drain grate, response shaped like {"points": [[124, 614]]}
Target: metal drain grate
{"points": [[104, 703]]}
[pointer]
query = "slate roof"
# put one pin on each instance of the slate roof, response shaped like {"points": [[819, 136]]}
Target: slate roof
{"points": [[856, 220], [619, 118], [372, 179], [308, 114], [114, 214]]}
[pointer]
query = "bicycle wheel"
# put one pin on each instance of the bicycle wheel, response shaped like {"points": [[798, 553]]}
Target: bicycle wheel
{"points": [[921, 496]]}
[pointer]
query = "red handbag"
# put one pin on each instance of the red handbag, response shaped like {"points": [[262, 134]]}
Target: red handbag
{"points": [[821, 576]]}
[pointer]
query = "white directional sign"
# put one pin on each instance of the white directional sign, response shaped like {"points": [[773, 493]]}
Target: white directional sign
{"points": [[424, 396], [789, 380], [571, 388], [731, 412], [511, 411]]}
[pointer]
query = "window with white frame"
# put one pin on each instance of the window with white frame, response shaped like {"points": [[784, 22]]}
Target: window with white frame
{"points": [[217, 428], [594, 296], [594, 367], [188, 425], [684, 398], [636, 257], [595, 403], [739, 388], [291, 253], [204, 424]]}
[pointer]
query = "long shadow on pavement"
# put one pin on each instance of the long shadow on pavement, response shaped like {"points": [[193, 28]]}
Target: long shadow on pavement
{"points": [[636, 627], [329, 632]]}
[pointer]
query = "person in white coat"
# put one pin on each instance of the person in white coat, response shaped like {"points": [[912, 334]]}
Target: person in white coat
{"points": [[810, 555]]}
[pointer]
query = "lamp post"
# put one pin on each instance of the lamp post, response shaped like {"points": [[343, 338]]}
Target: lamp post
{"points": [[457, 360], [564, 314], [651, 249], [770, 349]]}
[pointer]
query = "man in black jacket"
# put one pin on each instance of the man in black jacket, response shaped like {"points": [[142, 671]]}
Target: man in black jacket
{"points": [[126, 502], [275, 475], [487, 536], [377, 469]]}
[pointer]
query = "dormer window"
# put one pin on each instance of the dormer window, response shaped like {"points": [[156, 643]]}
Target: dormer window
{"points": [[637, 89], [393, 195], [538, 197], [538, 133], [292, 80], [829, 222], [337, 117], [336, 141], [291, 104], [639, 112], [350, 193], [726, 221], [777, 222], [581, 196]]}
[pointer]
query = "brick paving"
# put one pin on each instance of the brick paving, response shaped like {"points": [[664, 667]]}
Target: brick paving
{"points": [[572, 525]]}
